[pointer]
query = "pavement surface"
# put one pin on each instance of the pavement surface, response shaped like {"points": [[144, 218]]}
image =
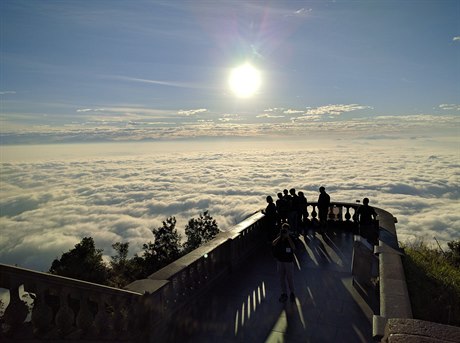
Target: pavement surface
{"points": [[244, 306]]}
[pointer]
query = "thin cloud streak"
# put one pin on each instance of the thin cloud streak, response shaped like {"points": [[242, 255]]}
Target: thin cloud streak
{"points": [[163, 83]]}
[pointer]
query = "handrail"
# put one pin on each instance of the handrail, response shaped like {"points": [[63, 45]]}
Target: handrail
{"points": [[181, 282], [66, 308]]}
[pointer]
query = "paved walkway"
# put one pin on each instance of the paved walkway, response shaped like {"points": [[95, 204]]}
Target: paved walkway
{"points": [[244, 307]]}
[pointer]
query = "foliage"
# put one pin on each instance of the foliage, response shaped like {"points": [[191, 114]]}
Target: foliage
{"points": [[165, 248], [84, 262], [200, 231], [122, 269], [454, 253], [433, 280]]}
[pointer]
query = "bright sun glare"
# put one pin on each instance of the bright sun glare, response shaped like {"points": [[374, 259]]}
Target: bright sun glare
{"points": [[244, 80]]}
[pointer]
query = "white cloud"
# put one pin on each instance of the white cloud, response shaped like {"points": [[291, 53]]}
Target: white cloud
{"points": [[274, 109], [456, 38], [303, 11], [228, 117], [310, 117], [84, 110], [49, 204], [151, 124], [335, 110], [291, 111], [266, 115], [7, 92], [192, 112], [448, 107]]}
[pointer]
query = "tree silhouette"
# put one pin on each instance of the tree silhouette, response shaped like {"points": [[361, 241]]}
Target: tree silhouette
{"points": [[122, 269], [200, 231], [83, 262], [165, 248]]}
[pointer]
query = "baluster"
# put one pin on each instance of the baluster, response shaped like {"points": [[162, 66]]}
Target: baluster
{"points": [[119, 316], [64, 317], [305, 216], [340, 214], [314, 214], [16, 311], [42, 313], [199, 273], [206, 270], [187, 279], [176, 288], [347, 215], [85, 318], [193, 279], [101, 320], [355, 214]]}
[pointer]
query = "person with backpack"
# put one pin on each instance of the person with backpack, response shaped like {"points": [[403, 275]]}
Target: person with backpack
{"points": [[283, 249]]}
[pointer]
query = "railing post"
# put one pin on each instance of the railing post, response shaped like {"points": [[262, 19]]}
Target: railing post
{"points": [[85, 318], [64, 317], [42, 313], [16, 311]]}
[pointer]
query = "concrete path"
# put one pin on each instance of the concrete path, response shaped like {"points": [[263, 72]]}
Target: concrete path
{"points": [[244, 306]]}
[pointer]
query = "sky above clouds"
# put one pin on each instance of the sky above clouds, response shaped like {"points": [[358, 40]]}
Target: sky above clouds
{"points": [[74, 69], [117, 114]]}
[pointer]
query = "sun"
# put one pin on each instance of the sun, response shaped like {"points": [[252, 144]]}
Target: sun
{"points": [[244, 80]]}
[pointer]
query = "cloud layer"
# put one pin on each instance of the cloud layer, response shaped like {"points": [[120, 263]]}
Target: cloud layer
{"points": [[141, 124], [48, 204]]}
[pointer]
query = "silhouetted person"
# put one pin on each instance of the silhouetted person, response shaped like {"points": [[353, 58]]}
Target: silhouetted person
{"points": [[271, 217], [283, 249], [366, 216], [303, 204], [294, 211], [324, 201], [288, 201], [282, 207]]}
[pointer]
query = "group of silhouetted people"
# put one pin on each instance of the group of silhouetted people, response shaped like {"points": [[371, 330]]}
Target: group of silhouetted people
{"points": [[288, 217], [291, 207]]}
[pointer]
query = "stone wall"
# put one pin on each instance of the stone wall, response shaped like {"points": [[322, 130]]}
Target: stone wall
{"points": [[404, 330]]}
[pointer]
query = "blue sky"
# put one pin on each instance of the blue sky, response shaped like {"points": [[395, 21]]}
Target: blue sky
{"points": [[122, 70]]}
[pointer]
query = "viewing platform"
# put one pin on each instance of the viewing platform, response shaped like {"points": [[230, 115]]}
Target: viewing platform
{"points": [[227, 291], [244, 306]]}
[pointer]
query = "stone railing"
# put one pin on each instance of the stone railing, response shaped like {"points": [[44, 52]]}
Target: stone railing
{"points": [[394, 296], [70, 309], [65, 308], [338, 212], [178, 284]]}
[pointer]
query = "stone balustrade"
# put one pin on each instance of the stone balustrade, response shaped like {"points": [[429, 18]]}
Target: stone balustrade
{"points": [[181, 282], [65, 308], [394, 296]]}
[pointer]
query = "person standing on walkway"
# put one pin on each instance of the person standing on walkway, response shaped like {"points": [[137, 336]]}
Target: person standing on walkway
{"points": [[366, 218], [303, 204], [283, 248], [272, 218], [294, 212], [282, 208], [324, 201]]}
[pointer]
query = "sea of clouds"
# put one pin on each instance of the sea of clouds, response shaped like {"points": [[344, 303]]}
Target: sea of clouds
{"points": [[52, 196]]}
